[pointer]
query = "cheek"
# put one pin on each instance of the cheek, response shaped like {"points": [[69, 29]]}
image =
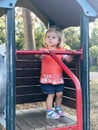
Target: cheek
{"points": [[46, 40], [57, 41]]}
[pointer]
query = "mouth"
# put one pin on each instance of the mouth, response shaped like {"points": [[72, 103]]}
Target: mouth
{"points": [[50, 42]]}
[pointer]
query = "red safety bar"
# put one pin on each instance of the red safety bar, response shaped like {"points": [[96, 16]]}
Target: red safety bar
{"points": [[71, 52], [78, 126]]}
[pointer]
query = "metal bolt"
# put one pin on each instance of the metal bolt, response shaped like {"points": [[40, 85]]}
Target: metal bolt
{"points": [[10, 4]]}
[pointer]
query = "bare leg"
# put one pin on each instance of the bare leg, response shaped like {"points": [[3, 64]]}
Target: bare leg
{"points": [[49, 112], [58, 104], [59, 98], [49, 101]]}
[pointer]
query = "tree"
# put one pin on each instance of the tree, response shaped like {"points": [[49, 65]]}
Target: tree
{"points": [[33, 30], [19, 34], [28, 35], [2, 29], [94, 51], [94, 34], [93, 42], [94, 37], [72, 38], [39, 35]]}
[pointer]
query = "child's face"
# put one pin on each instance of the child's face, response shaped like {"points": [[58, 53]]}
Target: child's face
{"points": [[51, 39]]}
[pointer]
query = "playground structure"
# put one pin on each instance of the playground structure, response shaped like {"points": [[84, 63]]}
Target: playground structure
{"points": [[50, 17], [28, 87]]}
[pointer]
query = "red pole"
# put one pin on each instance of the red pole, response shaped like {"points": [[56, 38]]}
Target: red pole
{"points": [[43, 52], [78, 90]]}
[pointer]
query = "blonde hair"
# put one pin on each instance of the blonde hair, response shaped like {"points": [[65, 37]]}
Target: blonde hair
{"points": [[59, 33]]}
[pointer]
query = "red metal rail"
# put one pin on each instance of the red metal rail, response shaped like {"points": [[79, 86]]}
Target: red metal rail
{"points": [[78, 91], [78, 126], [71, 52]]}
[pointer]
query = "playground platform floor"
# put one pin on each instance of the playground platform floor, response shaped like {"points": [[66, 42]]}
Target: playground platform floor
{"points": [[34, 119]]}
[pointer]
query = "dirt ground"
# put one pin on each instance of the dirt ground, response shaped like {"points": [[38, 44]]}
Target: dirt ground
{"points": [[94, 76], [94, 101]]}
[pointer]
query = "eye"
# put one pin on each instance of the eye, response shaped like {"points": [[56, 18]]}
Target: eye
{"points": [[53, 37], [48, 36]]}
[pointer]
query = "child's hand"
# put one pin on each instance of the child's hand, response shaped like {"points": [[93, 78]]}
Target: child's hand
{"points": [[40, 56], [68, 58], [47, 50]]}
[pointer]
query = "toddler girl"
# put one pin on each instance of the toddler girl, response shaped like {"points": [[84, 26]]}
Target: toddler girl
{"points": [[51, 78]]}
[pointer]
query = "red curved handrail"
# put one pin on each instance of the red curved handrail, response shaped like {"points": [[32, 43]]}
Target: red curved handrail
{"points": [[78, 90], [70, 74]]}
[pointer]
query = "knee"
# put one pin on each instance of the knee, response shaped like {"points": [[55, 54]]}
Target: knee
{"points": [[59, 94]]}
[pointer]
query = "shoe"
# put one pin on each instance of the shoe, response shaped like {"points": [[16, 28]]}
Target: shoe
{"points": [[52, 115], [59, 111]]}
